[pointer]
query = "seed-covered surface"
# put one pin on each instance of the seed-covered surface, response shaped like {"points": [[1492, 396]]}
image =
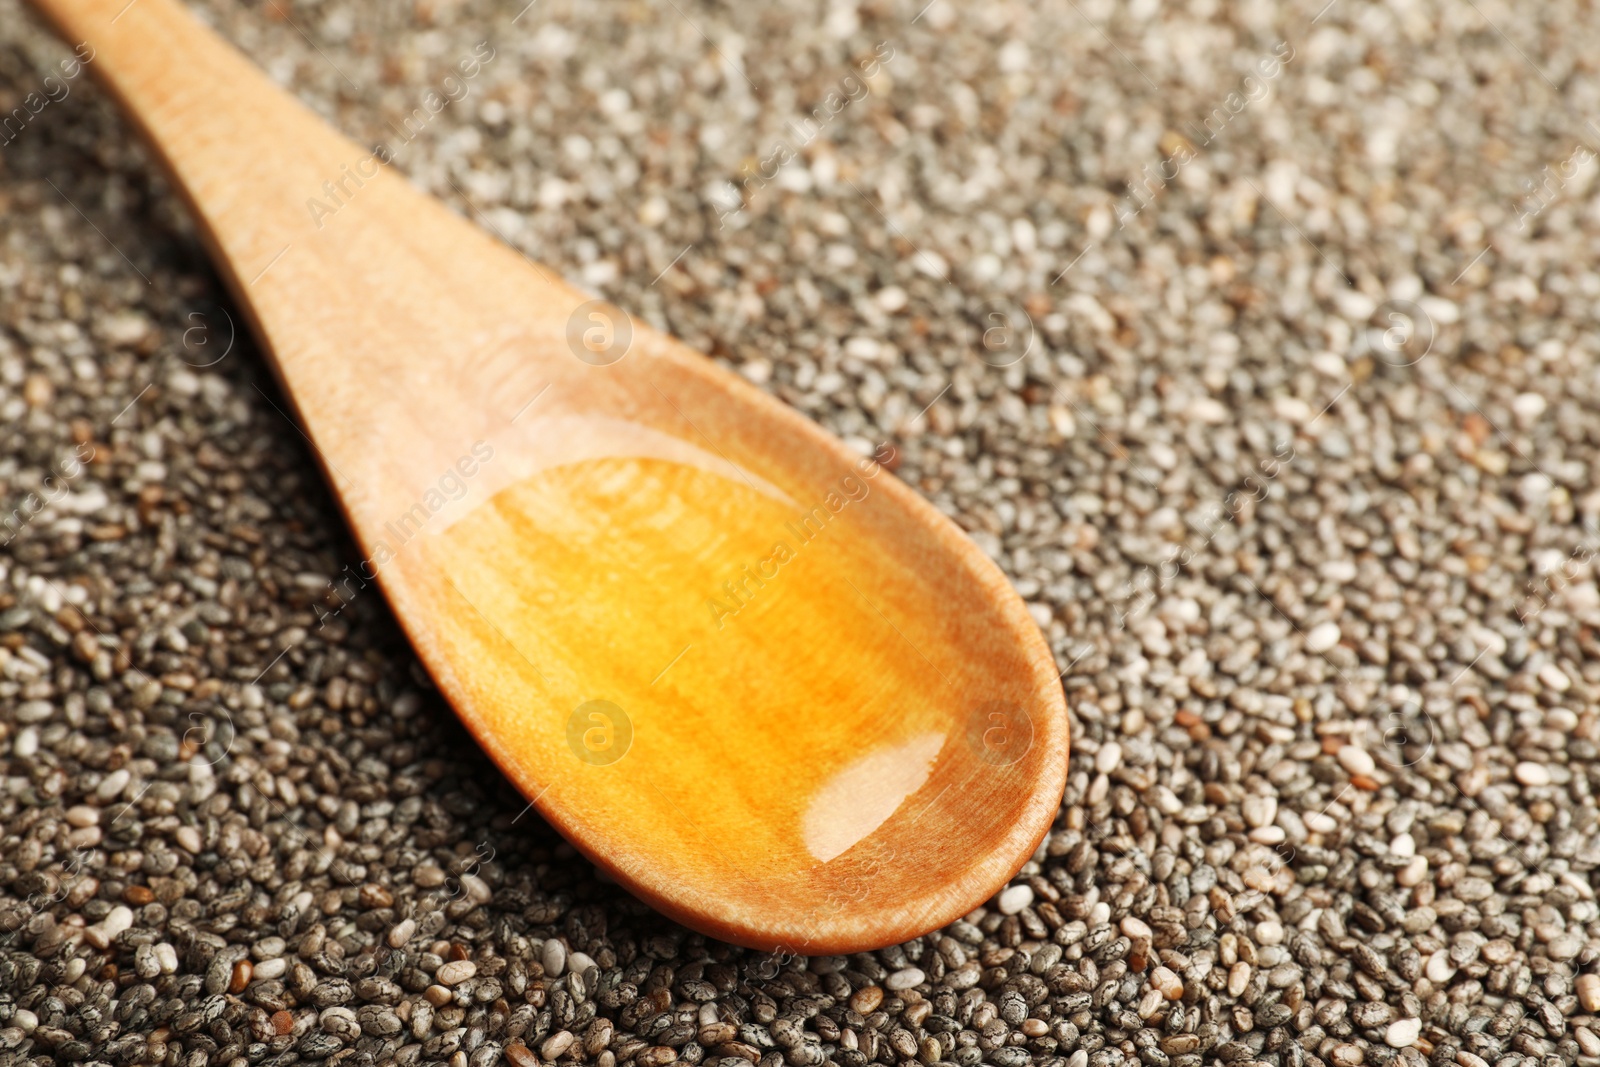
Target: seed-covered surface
{"points": [[1256, 344]]}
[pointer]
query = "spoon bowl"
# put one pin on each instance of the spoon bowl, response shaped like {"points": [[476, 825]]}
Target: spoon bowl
{"points": [[743, 668]]}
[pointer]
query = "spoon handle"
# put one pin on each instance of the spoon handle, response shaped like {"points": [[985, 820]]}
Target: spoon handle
{"points": [[330, 253], [238, 147]]}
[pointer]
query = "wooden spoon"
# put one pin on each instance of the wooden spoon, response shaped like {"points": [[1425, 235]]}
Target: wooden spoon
{"points": [[741, 667]]}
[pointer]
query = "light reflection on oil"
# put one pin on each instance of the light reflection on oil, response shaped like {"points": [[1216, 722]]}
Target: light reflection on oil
{"points": [[860, 797]]}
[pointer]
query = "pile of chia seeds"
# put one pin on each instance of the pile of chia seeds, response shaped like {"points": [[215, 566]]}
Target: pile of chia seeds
{"points": [[1256, 344]]}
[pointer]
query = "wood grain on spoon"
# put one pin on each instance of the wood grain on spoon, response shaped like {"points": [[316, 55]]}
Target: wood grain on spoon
{"points": [[740, 666]]}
